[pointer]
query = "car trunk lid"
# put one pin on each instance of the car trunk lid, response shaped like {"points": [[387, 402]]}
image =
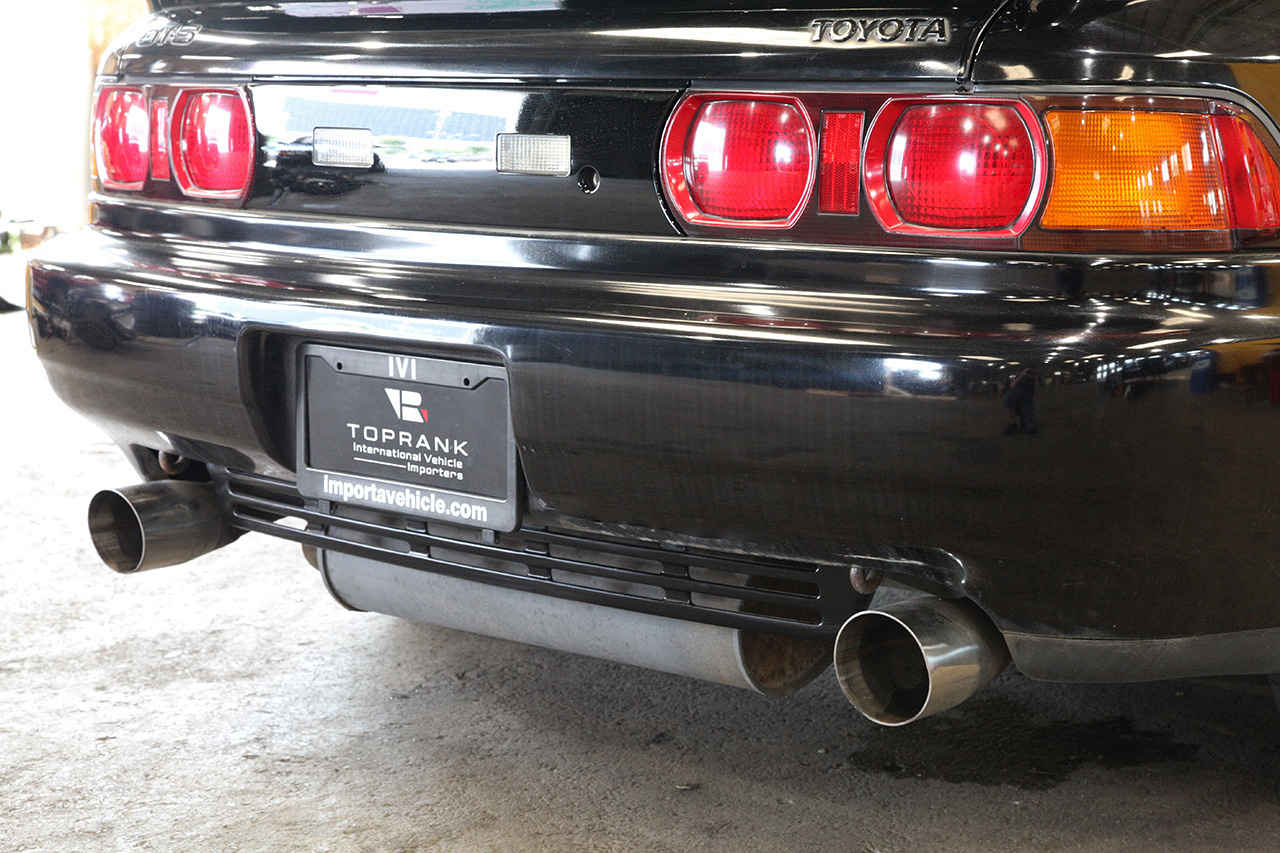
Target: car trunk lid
{"points": [[561, 40], [435, 82]]}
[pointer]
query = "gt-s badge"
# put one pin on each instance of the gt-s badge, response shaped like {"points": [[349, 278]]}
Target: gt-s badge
{"points": [[169, 35]]}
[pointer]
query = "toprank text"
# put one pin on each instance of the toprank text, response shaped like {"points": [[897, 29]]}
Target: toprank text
{"points": [[871, 31], [402, 438]]}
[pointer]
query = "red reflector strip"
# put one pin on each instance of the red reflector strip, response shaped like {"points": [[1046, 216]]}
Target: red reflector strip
{"points": [[160, 139], [840, 162], [1251, 175]]}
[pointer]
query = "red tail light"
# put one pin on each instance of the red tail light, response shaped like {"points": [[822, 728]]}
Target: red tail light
{"points": [[1190, 171], [961, 166], [955, 167], [1034, 173], [121, 136], [942, 167], [166, 141], [1252, 177], [744, 161], [213, 144]]}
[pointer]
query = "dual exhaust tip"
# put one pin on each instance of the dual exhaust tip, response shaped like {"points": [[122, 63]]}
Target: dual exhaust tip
{"points": [[150, 525], [915, 658], [899, 664]]}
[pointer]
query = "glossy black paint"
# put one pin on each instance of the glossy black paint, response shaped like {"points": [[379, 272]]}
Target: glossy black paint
{"points": [[434, 150], [825, 404], [552, 41], [831, 405], [1138, 45]]}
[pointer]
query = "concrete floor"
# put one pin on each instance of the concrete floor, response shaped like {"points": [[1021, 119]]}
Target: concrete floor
{"points": [[230, 705]]}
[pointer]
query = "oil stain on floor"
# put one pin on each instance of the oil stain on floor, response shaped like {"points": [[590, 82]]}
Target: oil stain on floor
{"points": [[997, 745]]}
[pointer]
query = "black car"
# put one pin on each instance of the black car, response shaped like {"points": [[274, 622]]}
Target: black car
{"points": [[666, 331]]}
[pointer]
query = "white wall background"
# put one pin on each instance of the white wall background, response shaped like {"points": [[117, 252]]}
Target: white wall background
{"points": [[44, 111]]}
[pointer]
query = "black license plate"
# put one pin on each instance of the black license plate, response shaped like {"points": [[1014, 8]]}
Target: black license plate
{"points": [[424, 437]]}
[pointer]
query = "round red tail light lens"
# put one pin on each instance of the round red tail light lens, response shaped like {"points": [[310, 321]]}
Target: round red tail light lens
{"points": [[955, 167], [748, 159], [122, 131], [213, 144], [961, 166], [744, 162]]}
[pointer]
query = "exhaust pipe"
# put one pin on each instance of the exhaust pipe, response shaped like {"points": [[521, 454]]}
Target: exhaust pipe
{"points": [[156, 524], [916, 658]]}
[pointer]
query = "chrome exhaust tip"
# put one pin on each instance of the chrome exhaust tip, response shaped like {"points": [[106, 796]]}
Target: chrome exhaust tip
{"points": [[156, 524], [915, 658]]}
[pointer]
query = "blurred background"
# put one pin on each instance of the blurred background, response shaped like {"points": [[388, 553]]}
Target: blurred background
{"points": [[49, 51]]}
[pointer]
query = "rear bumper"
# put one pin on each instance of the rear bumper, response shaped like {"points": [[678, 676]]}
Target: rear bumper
{"points": [[829, 407]]}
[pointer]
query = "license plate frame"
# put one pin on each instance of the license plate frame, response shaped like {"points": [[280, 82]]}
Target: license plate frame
{"points": [[429, 438]]}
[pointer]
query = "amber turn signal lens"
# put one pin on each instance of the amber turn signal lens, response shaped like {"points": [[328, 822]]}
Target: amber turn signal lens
{"points": [[1127, 170]]}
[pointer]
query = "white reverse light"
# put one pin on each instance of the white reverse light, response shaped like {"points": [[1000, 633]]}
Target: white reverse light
{"points": [[533, 154], [342, 146]]}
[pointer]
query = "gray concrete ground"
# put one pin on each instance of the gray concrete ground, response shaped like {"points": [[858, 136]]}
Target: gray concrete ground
{"points": [[229, 705]]}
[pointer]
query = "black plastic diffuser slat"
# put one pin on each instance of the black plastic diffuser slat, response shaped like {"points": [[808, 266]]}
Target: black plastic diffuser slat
{"points": [[775, 596]]}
